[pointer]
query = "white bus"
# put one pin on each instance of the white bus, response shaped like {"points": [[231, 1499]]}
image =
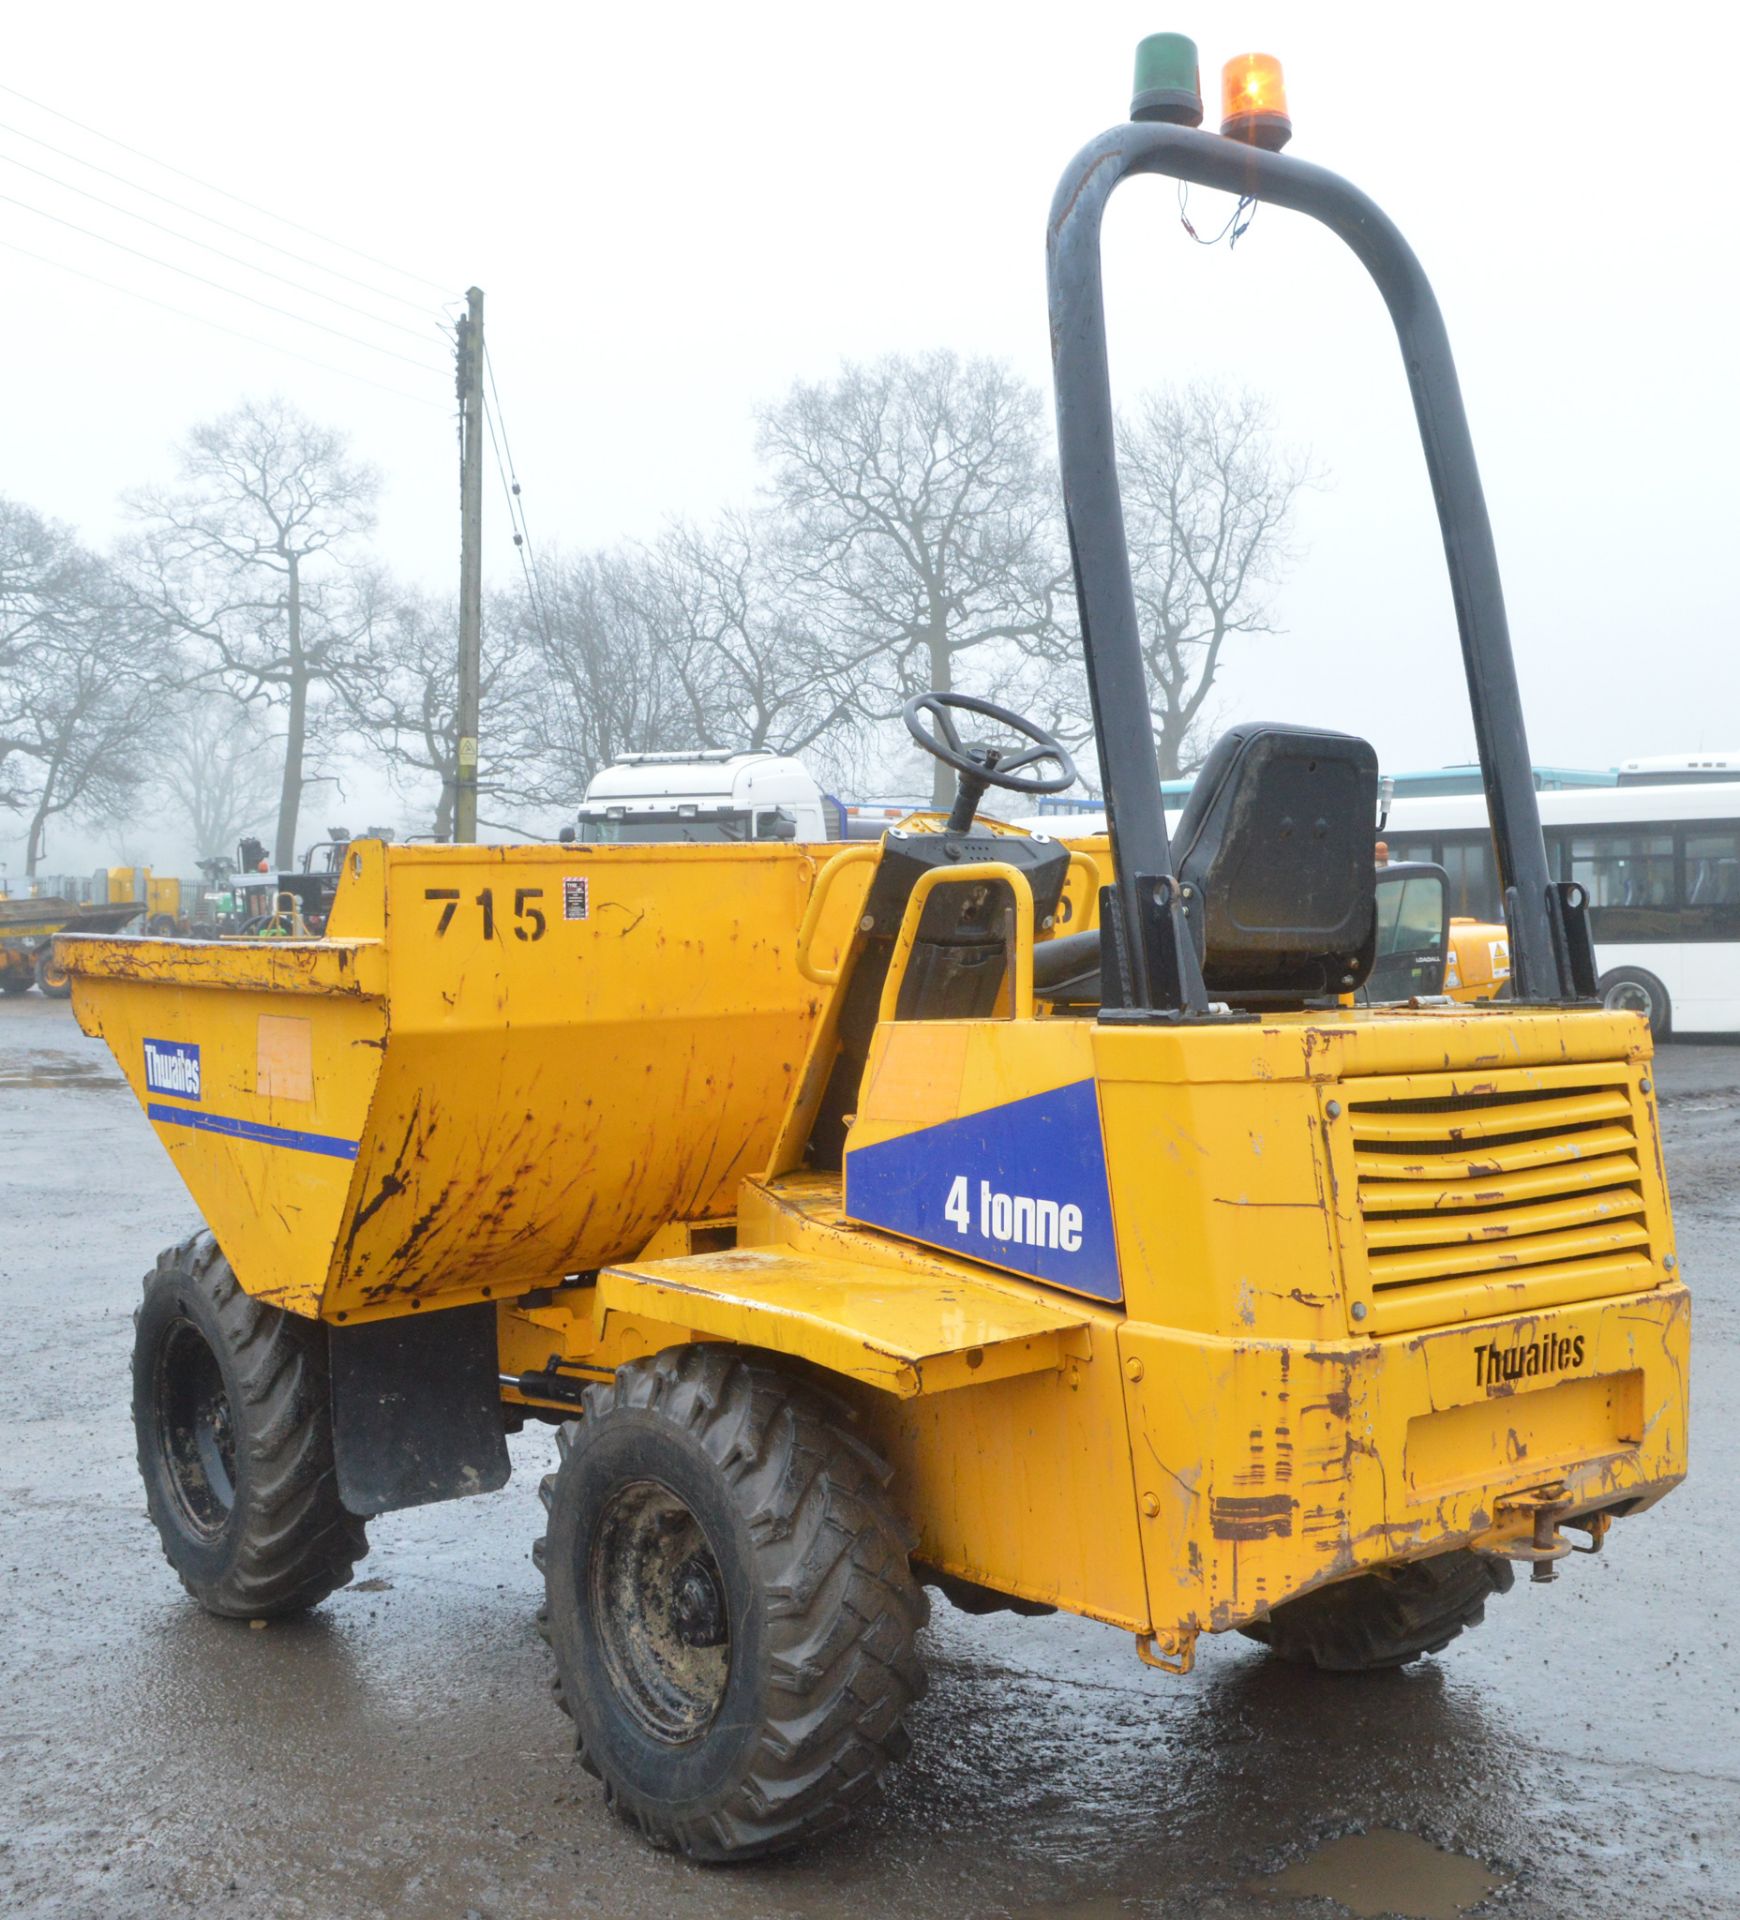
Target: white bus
{"points": [[1661, 864]]}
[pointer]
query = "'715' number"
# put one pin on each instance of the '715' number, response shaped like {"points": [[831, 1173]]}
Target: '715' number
{"points": [[529, 921]]}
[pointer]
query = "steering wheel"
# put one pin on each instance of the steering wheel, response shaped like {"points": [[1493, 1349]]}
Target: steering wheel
{"points": [[982, 767]]}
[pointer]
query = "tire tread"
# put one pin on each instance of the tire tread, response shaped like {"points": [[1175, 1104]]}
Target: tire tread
{"points": [[299, 1544], [1387, 1617], [847, 1609]]}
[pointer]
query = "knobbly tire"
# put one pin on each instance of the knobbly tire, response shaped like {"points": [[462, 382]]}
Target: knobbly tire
{"points": [[730, 1604], [1387, 1617], [234, 1426], [52, 979]]}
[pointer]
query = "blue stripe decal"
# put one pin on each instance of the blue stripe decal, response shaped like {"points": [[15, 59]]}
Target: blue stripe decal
{"points": [[256, 1130], [1022, 1186]]}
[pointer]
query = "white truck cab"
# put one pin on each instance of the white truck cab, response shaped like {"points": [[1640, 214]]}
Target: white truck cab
{"points": [[706, 794]]}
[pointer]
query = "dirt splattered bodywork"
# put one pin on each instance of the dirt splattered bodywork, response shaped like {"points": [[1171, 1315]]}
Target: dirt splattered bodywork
{"points": [[1380, 1275], [959, 1207]]}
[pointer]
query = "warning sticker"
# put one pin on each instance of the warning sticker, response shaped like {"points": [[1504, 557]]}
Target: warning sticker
{"points": [[575, 904]]}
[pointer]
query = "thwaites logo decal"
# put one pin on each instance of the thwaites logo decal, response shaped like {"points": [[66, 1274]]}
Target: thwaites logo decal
{"points": [[1020, 1186], [1504, 1366], [172, 1067]]}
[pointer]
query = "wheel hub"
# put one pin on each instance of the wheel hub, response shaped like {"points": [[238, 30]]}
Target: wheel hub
{"points": [[195, 1430], [660, 1610], [698, 1609]]}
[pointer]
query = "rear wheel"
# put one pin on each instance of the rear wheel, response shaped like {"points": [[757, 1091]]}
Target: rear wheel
{"points": [[1634, 990], [730, 1604], [16, 977], [1387, 1617], [51, 977], [234, 1430]]}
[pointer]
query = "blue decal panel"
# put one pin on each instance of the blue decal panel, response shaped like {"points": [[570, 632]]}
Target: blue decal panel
{"points": [[231, 1128], [1021, 1186], [172, 1066]]}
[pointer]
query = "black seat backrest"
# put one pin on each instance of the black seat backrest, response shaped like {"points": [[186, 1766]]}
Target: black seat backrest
{"points": [[1275, 845]]}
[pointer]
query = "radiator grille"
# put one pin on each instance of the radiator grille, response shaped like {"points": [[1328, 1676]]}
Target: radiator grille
{"points": [[1499, 1194]]}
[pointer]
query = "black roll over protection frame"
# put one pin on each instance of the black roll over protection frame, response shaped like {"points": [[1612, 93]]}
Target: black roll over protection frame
{"points": [[1552, 956]]}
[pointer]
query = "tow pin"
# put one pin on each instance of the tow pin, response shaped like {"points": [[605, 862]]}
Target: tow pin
{"points": [[1544, 1569]]}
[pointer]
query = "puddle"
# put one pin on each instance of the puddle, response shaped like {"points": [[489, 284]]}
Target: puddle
{"points": [[62, 1072], [1385, 1872]]}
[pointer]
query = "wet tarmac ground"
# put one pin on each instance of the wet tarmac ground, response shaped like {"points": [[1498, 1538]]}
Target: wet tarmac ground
{"points": [[397, 1754]]}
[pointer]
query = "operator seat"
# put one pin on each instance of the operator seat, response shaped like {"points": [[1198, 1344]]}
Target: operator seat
{"points": [[1274, 847]]}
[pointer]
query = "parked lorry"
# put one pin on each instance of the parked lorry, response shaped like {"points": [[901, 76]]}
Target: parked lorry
{"points": [[962, 1211], [707, 794]]}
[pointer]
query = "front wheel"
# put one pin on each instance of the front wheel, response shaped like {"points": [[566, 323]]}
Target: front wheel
{"points": [[730, 1604], [1387, 1617], [52, 979], [234, 1430], [1634, 990]]}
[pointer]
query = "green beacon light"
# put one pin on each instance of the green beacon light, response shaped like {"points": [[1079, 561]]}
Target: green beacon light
{"points": [[1168, 82]]}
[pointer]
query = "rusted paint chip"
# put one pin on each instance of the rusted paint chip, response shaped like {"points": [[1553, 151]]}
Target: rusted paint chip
{"points": [[1267, 1516]]}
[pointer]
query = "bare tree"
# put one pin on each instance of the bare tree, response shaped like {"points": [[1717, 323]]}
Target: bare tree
{"points": [[85, 679], [254, 556], [748, 671], [218, 774], [604, 682], [43, 574], [401, 697], [90, 726], [1208, 509], [922, 522]]}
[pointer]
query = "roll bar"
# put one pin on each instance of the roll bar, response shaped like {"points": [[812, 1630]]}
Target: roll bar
{"points": [[1551, 953]]}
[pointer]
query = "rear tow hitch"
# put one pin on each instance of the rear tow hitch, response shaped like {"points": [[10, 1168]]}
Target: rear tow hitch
{"points": [[1529, 1527]]}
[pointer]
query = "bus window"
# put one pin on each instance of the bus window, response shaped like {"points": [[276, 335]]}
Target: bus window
{"points": [[1473, 884], [1629, 878], [1712, 886]]}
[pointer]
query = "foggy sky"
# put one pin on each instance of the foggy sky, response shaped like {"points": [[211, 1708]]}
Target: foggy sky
{"points": [[675, 211]]}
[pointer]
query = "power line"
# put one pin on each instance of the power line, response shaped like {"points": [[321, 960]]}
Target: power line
{"points": [[235, 293], [489, 369], [211, 219], [236, 333], [522, 541], [222, 253], [516, 505], [252, 205]]}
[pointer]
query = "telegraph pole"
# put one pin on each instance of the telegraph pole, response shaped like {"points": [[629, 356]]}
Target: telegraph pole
{"points": [[470, 562]]}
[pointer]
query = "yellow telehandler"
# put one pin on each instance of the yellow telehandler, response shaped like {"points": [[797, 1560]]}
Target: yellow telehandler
{"points": [[963, 1210]]}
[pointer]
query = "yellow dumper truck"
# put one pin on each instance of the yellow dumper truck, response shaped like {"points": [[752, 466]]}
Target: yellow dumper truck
{"points": [[964, 1210]]}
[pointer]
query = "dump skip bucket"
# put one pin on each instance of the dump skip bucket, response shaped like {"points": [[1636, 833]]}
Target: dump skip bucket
{"points": [[500, 1066]]}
